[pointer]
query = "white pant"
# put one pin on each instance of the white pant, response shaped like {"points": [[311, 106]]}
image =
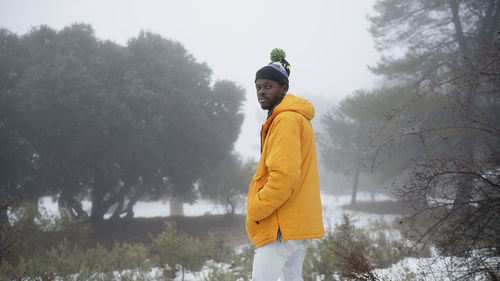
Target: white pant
{"points": [[281, 260]]}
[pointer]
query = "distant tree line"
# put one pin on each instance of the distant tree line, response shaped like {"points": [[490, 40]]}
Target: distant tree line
{"points": [[433, 127], [83, 118]]}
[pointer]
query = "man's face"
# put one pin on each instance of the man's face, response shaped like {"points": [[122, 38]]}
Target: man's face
{"points": [[269, 92]]}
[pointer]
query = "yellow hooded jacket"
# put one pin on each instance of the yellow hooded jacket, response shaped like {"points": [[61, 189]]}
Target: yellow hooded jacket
{"points": [[284, 192]]}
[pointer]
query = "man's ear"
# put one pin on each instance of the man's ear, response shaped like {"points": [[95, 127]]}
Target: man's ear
{"points": [[284, 88]]}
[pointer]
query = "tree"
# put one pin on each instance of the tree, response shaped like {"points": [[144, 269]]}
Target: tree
{"points": [[450, 54], [434, 36], [228, 182], [346, 252], [458, 190], [344, 146], [93, 119], [347, 144]]}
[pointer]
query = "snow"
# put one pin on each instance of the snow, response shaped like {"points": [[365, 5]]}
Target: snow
{"points": [[406, 269], [332, 208], [332, 214], [433, 268]]}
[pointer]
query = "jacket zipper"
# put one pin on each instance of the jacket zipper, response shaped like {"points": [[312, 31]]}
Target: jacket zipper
{"points": [[261, 131]]}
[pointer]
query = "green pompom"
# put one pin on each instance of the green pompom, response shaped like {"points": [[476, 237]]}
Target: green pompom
{"points": [[277, 55]]}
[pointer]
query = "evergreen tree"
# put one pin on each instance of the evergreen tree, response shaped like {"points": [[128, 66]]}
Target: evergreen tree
{"points": [[86, 118], [449, 63]]}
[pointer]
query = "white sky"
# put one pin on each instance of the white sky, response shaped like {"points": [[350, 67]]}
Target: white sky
{"points": [[326, 41]]}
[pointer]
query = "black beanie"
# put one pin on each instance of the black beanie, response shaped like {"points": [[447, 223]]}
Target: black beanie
{"points": [[277, 70]]}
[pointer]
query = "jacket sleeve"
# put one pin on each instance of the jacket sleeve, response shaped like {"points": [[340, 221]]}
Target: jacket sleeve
{"points": [[283, 163]]}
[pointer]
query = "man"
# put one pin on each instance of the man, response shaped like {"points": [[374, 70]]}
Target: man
{"points": [[284, 206]]}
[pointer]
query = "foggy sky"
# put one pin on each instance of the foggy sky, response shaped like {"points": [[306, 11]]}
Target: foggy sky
{"points": [[326, 41]]}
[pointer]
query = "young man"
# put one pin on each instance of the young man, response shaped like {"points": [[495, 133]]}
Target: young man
{"points": [[284, 206]]}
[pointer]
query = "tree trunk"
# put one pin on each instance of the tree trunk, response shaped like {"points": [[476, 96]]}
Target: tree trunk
{"points": [[356, 181], [100, 206], [463, 194], [490, 23], [78, 208], [459, 34], [130, 205], [231, 205], [73, 206], [485, 22], [176, 207], [119, 209], [494, 24], [97, 213], [97, 196]]}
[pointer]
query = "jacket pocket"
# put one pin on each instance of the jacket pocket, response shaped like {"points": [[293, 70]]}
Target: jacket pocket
{"points": [[263, 230]]}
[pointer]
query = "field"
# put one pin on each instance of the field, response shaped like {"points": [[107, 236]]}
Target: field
{"points": [[201, 219]]}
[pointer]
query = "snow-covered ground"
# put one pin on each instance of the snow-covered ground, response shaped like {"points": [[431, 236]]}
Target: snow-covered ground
{"points": [[332, 211], [433, 268], [407, 269], [332, 214]]}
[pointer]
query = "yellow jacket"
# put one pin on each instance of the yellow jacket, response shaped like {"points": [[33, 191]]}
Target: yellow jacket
{"points": [[284, 192]]}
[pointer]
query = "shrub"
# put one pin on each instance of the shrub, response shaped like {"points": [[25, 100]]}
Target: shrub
{"points": [[170, 250], [238, 267], [179, 251], [336, 252], [72, 263], [348, 252]]}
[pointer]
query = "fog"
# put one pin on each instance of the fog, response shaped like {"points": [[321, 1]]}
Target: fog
{"points": [[129, 134], [327, 42]]}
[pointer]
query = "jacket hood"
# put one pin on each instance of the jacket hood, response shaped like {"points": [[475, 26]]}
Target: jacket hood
{"points": [[296, 104]]}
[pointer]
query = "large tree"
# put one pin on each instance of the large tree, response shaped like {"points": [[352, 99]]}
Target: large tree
{"points": [[433, 37], [449, 54], [350, 139], [93, 119], [345, 142]]}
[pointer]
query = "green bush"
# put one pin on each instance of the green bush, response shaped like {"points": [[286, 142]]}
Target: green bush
{"points": [[238, 267], [340, 247], [180, 252], [30, 227], [169, 250], [390, 247], [348, 252]]}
